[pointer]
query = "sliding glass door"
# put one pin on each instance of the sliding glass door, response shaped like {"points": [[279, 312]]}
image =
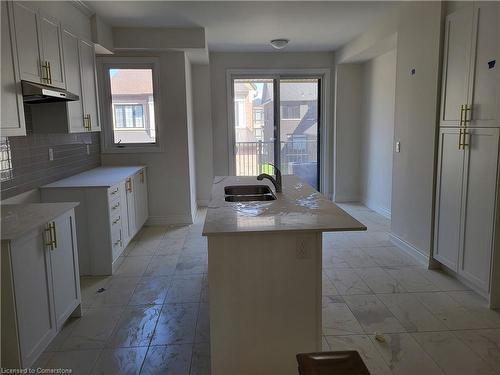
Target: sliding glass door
{"points": [[253, 126], [276, 122]]}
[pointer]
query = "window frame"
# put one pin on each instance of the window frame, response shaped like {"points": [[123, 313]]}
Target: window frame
{"points": [[107, 108]]}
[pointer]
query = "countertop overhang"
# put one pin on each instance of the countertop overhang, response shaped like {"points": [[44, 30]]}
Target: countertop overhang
{"points": [[18, 219], [299, 208]]}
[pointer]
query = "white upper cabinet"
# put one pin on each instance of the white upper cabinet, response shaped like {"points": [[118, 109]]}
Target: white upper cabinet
{"points": [[74, 116], [25, 26], [50, 36], [89, 85], [458, 27], [12, 113], [484, 90], [73, 81], [36, 48], [471, 75], [38, 41]]}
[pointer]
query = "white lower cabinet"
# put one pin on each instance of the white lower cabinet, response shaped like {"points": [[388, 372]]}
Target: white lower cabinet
{"points": [[465, 202], [141, 200], [40, 289], [107, 215], [65, 273]]}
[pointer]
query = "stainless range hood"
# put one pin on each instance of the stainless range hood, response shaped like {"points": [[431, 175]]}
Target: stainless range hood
{"points": [[37, 93]]}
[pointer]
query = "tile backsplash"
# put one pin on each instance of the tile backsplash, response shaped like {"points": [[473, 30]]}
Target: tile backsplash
{"points": [[25, 164]]}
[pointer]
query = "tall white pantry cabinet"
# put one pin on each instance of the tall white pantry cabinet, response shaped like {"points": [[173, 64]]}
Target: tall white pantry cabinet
{"points": [[467, 214]]}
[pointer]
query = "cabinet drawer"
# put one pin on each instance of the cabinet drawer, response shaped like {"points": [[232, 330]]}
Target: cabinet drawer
{"points": [[115, 207], [116, 240], [116, 220], [114, 192], [116, 235]]}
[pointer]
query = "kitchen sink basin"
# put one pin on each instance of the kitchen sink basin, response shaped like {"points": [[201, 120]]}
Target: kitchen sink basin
{"points": [[247, 190], [250, 198], [248, 193]]}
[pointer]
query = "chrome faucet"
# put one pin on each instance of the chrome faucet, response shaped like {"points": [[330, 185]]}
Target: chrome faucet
{"points": [[276, 181]]}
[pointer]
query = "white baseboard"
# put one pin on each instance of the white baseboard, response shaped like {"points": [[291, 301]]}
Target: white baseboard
{"points": [[345, 199], [409, 249], [384, 211], [170, 220], [202, 202]]}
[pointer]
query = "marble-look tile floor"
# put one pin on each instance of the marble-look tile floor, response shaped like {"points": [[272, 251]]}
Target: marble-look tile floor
{"points": [[152, 317]]}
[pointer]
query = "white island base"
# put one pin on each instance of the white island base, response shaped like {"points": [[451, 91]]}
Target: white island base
{"points": [[265, 301], [264, 275]]}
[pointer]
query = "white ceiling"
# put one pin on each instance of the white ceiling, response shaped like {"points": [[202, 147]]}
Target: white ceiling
{"points": [[248, 26]]}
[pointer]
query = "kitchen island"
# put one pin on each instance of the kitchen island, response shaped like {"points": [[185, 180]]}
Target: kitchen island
{"points": [[264, 272]]}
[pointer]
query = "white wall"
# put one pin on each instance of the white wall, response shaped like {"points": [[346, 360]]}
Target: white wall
{"points": [[416, 113], [221, 62], [168, 171], [379, 84], [203, 141], [348, 127]]}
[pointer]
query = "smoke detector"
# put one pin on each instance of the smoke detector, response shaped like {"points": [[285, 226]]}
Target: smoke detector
{"points": [[279, 43]]}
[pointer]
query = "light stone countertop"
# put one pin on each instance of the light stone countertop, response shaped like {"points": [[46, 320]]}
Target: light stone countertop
{"points": [[19, 219], [298, 208], [97, 177]]}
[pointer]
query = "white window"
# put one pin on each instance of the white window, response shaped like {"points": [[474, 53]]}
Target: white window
{"points": [[130, 88]]}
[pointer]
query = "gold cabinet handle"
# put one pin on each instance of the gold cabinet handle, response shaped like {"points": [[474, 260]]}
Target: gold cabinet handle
{"points": [[467, 114], [52, 234], [141, 173], [50, 72], [54, 231], [115, 206], [48, 235], [116, 220], [464, 135], [129, 184], [44, 71], [87, 122], [460, 139], [462, 109]]}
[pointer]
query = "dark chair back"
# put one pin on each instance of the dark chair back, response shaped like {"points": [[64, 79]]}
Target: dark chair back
{"points": [[347, 362]]}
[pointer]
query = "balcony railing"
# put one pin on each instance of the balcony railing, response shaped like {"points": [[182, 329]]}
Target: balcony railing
{"points": [[253, 158]]}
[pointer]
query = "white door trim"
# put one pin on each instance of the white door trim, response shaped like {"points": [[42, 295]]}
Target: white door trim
{"points": [[325, 108]]}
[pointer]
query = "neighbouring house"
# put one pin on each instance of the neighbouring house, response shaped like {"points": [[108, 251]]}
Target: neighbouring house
{"points": [[298, 126], [133, 105]]}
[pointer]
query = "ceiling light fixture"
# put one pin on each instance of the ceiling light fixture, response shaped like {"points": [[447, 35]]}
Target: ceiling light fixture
{"points": [[279, 43]]}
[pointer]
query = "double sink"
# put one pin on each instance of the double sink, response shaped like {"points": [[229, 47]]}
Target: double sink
{"points": [[248, 193]]}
